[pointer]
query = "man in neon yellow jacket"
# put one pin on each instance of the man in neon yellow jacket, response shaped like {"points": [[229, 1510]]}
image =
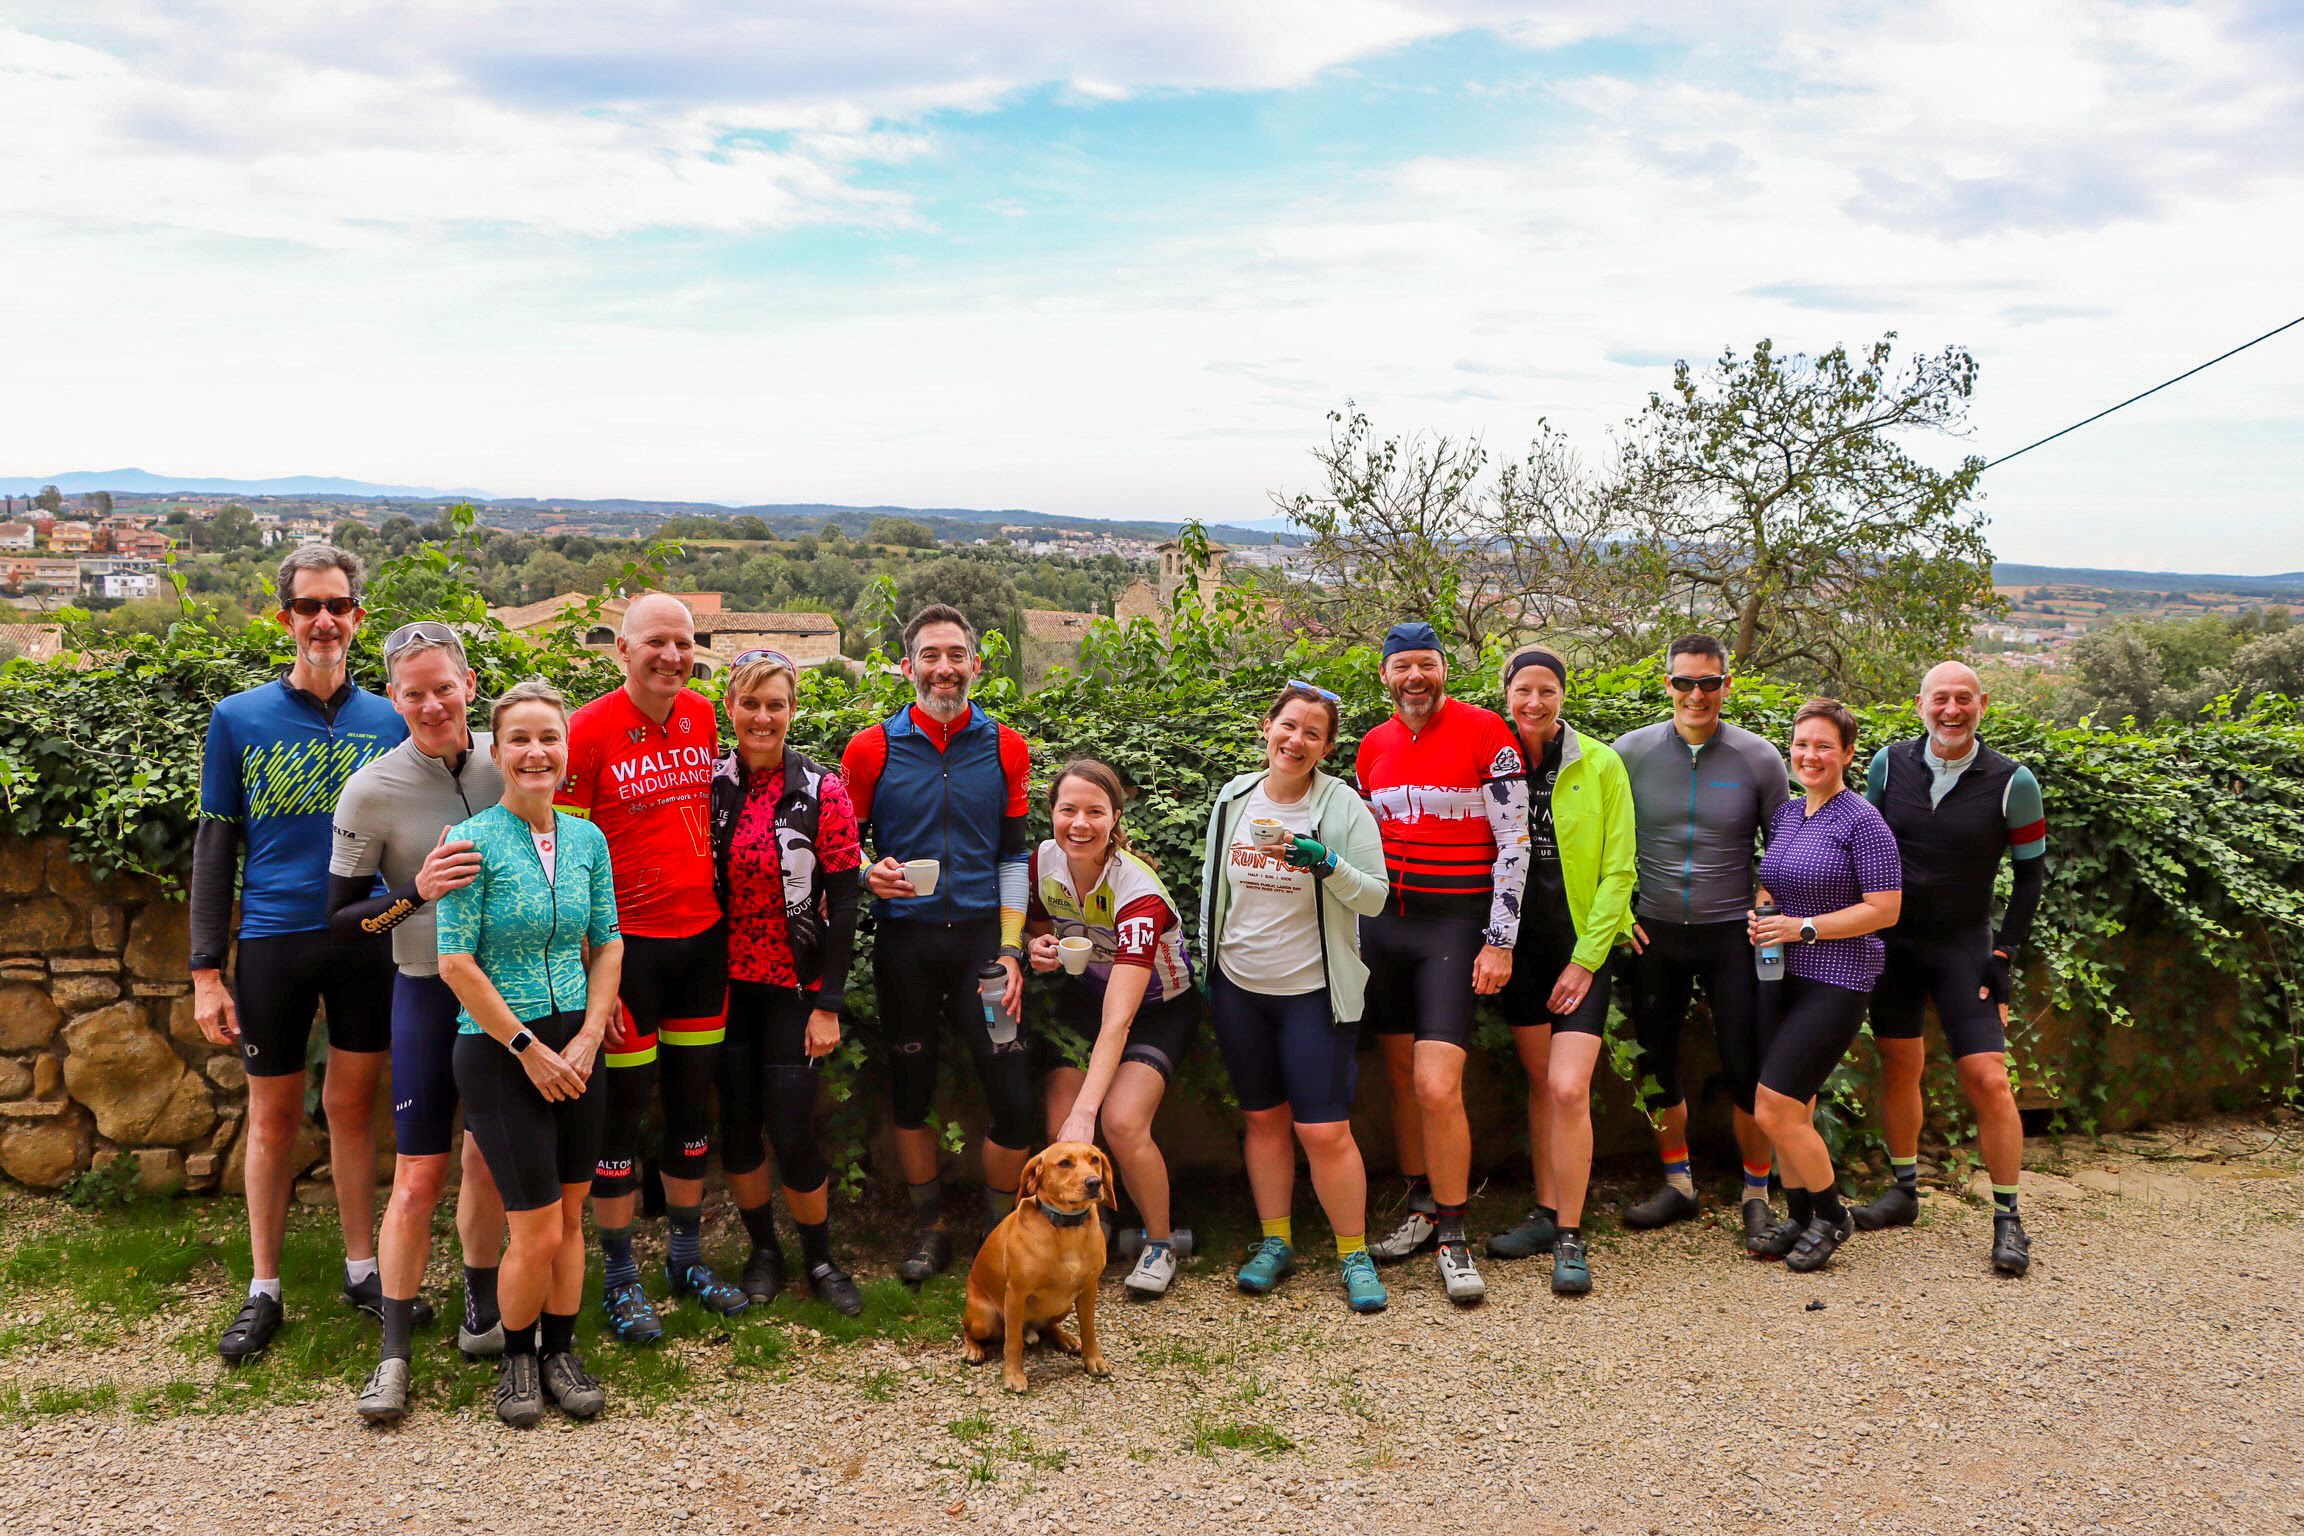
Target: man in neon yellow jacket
{"points": [[1577, 905]]}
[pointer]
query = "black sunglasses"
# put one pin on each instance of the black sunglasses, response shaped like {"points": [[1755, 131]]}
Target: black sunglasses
{"points": [[1298, 685], [777, 657], [1712, 684], [430, 631], [309, 607]]}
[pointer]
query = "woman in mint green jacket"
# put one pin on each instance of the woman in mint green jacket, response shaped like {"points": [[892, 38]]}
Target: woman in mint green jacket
{"points": [[1578, 902], [1293, 862]]}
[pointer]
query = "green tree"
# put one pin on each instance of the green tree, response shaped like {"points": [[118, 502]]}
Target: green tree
{"points": [[98, 502], [976, 589], [232, 530], [1772, 497], [50, 499], [905, 532]]}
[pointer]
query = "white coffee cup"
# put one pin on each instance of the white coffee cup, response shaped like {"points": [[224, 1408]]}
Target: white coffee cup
{"points": [[1073, 952], [922, 873], [1264, 832]]}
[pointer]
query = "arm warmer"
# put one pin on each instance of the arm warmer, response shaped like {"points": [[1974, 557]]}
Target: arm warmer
{"points": [[215, 869], [843, 895], [1015, 883], [353, 912], [2023, 905], [1506, 803]]}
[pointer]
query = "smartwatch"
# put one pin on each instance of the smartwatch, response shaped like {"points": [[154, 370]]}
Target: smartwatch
{"points": [[1807, 930], [519, 1043]]}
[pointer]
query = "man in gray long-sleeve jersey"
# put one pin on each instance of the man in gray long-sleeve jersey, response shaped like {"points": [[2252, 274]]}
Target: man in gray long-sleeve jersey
{"points": [[391, 820], [1702, 793]]}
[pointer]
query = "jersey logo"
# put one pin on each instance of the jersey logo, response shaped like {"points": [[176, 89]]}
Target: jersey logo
{"points": [[686, 725], [1138, 933], [636, 734], [1505, 763]]}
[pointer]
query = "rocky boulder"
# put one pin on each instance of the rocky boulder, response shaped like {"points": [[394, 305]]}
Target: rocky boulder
{"points": [[160, 942], [28, 1017], [139, 1090], [43, 1153]]}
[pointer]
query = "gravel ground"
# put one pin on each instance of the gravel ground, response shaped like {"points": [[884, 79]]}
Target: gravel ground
{"points": [[2145, 1376]]}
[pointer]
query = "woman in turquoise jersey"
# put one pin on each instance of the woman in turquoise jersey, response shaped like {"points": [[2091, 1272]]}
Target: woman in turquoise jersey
{"points": [[531, 950]]}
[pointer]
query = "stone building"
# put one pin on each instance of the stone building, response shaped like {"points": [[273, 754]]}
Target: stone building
{"points": [[722, 634]]}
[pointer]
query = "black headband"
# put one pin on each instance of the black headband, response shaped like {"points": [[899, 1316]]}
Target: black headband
{"points": [[1532, 657]]}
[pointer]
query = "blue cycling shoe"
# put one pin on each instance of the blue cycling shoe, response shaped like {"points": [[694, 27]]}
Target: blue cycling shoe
{"points": [[1363, 1292], [712, 1292], [630, 1315]]}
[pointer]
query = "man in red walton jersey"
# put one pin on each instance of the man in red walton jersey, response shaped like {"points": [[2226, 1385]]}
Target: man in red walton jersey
{"points": [[640, 766], [1451, 804]]}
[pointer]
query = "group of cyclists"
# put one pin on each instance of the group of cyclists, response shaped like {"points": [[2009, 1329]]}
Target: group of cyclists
{"points": [[577, 916]]}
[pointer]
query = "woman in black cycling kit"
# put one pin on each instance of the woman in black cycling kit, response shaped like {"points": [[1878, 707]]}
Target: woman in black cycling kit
{"points": [[532, 951], [785, 846]]}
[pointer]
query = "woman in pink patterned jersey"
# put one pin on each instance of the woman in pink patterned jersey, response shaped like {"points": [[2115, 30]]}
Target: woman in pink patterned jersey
{"points": [[784, 840]]}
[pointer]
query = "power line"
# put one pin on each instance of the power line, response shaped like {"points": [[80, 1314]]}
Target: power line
{"points": [[2155, 389]]}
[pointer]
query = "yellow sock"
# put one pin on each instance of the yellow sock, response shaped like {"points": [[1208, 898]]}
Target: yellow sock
{"points": [[1283, 1228], [1348, 1246]]}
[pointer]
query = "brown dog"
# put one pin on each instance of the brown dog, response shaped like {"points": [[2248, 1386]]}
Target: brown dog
{"points": [[1042, 1261]]}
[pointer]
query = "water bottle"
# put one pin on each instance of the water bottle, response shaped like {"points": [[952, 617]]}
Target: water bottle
{"points": [[1000, 1022], [1768, 959]]}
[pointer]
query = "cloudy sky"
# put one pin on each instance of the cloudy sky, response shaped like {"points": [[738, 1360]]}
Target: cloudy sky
{"points": [[1121, 259]]}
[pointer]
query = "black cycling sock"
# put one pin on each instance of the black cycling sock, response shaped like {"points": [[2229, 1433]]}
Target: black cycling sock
{"points": [[521, 1340], [998, 1203], [1420, 1193], [1450, 1219], [399, 1323], [927, 1202], [1907, 1171], [815, 1242], [1828, 1206], [480, 1310], [559, 1332], [1572, 1234], [760, 1224], [1550, 1213], [1799, 1204], [684, 1236], [2004, 1199]]}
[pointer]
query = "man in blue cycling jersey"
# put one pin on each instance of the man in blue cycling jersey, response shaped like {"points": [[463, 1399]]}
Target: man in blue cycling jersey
{"points": [[277, 757]]}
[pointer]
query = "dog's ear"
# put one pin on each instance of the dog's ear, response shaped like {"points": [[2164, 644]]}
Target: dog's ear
{"points": [[1111, 1196], [1029, 1185]]}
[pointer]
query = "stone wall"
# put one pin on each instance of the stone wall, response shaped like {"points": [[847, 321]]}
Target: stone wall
{"points": [[99, 1056]]}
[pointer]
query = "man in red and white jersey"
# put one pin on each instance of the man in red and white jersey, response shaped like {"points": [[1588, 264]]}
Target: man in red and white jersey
{"points": [[640, 766], [1451, 804]]}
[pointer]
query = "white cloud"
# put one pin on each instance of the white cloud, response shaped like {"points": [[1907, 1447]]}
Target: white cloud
{"points": [[325, 244]]}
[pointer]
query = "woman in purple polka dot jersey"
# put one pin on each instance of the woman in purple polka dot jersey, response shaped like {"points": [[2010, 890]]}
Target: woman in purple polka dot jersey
{"points": [[1833, 872]]}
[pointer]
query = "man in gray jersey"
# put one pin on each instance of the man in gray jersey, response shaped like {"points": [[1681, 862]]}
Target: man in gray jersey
{"points": [[1702, 793], [393, 818]]}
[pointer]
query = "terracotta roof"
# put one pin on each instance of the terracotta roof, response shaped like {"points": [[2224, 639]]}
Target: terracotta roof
{"points": [[34, 642], [1056, 624], [749, 623]]}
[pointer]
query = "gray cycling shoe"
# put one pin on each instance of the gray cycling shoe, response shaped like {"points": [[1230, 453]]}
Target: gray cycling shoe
{"points": [[384, 1400], [1530, 1238], [481, 1346], [570, 1386], [1458, 1277], [519, 1391], [1417, 1231], [1660, 1209]]}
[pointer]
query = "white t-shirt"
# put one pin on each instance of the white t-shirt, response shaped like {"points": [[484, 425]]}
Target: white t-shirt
{"points": [[1271, 939], [546, 844]]}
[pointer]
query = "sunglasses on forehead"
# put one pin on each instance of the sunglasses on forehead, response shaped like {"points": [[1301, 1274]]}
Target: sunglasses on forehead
{"points": [[1712, 684], [778, 657], [311, 607], [430, 631], [1298, 685]]}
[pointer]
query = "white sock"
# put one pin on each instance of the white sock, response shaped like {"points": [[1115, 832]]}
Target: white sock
{"points": [[1685, 1183], [269, 1287], [357, 1270]]}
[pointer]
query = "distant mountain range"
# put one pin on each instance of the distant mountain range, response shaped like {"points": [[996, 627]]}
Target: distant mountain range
{"points": [[2285, 584], [142, 482]]}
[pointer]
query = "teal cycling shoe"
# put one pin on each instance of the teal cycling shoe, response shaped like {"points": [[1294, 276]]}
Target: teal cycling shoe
{"points": [[1271, 1262], [1363, 1292]]}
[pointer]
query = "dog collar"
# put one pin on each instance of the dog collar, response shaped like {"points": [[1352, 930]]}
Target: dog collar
{"points": [[1059, 1218]]}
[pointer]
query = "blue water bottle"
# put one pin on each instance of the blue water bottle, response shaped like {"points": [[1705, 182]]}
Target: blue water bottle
{"points": [[1768, 959]]}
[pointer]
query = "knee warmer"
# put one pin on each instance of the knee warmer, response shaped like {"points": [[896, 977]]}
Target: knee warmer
{"points": [[792, 1127]]}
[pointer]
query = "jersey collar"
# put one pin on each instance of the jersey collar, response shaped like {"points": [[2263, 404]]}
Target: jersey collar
{"points": [[940, 732]]}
